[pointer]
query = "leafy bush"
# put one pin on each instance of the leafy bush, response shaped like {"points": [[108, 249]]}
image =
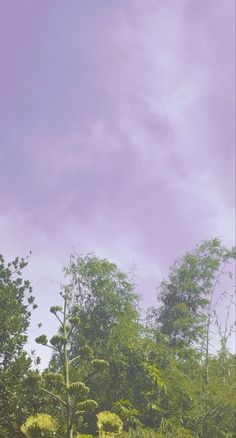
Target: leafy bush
{"points": [[141, 433], [174, 432]]}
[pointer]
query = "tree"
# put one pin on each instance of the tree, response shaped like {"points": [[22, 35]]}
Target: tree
{"points": [[18, 399], [183, 323], [15, 301], [162, 376], [212, 410], [107, 302], [109, 329], [186, 297]]}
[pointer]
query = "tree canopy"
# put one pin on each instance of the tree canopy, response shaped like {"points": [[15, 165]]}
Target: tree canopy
{"points": [[112, 373]]}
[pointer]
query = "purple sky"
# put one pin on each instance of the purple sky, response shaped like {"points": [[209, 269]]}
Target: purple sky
{"points": [[117, 132]]}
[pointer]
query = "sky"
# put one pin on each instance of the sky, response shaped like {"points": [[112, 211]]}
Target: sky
{"points": [[117, 134]]}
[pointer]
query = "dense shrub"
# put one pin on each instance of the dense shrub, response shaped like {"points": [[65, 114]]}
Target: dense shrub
{"points": [[169, 432]]}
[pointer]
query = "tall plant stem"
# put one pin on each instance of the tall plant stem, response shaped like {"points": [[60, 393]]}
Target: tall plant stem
{"points": [[67, 375]]}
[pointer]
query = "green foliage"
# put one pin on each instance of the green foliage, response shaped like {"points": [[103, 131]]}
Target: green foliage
{"points": [[167, 430], [155, 375], [55, 309], [109, 423], [99, 364], [15, 302], [19, 395], [58, 341], [157, 380], [185, 298], [106, 301], [86, 406], [170, 429], [53, 377], [39, 426], [128, 413], [18, 384], [106, 306], [83, 435], [78, 390], [43, 340], [69, 395]]}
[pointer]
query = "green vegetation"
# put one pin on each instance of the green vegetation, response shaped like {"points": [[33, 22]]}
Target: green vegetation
{"points": [[70, 395], [109, 424], [41, 425], [111, 374]]}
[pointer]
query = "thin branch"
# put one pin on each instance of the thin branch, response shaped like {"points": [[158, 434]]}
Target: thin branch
{"points": [[59, 319], [74, 358], [49, 346], [53, 395]]}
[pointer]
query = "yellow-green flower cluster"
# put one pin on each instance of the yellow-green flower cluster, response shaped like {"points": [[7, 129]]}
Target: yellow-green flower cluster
{"points": [[39, 426], [109, 423]]}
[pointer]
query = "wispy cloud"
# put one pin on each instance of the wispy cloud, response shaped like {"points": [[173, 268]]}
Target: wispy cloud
{"points": [[118, 130]]}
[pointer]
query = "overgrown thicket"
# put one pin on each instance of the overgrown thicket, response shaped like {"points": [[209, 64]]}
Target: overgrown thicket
{"points": [[111, 374]]}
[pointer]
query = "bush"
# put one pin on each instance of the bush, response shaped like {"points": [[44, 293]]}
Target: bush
{"points": [[174, 432], [142, 433]]}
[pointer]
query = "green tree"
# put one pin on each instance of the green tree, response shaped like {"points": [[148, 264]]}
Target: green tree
{"points": [[15, 301], [182, 324], [213, 404], [107, 307], [186, 298], [18, 399], [107, 302]]}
